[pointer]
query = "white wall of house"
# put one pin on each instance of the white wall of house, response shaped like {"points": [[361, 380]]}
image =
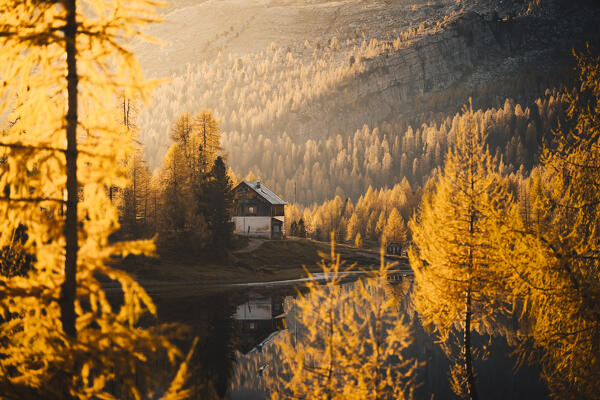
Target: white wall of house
{"points": [[257, 309], [252, 226]]}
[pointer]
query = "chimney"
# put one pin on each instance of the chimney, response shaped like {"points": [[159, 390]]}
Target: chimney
{"points": [[258, 184]]}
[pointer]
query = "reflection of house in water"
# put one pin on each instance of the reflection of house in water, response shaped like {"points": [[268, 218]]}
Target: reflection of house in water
{"points": [[257, 319]]}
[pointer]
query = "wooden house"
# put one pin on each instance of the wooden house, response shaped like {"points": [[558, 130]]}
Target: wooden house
{"points": [[257, 211]]}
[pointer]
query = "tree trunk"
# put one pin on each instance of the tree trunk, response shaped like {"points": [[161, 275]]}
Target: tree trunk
{"points": [[134, 203], [146, 205], [68, 293], [471, 391], [470, 378]]}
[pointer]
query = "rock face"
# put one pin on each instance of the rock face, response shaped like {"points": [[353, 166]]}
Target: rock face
{"points": [[468, 50]]}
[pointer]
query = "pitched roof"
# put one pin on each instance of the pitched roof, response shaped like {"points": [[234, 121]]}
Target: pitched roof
{"points": [[265, 192]]}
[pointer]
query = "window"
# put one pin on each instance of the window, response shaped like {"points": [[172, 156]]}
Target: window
{"points": [[251, 210]]}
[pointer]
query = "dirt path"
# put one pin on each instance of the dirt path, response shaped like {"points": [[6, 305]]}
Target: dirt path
{"points": [[253, 244]]}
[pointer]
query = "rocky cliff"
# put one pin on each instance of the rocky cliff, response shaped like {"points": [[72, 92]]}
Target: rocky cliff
{"points": [[467, 51]]}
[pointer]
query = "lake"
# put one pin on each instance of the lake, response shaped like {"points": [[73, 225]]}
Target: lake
{"points": [[239, 330]]}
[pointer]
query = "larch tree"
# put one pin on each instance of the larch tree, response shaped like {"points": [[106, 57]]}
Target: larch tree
{"points": [[132, 199], [176, 217], [63, 65], [453, 255], [395, 229], [347, 344], [187, 181], [14, 260], [181, 132], [353, 227], [381, 222], [208, 130], [358, 241], [552, 260]]}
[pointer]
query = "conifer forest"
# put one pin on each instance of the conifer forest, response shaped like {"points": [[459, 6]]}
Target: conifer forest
{"points": [[299, 199]]}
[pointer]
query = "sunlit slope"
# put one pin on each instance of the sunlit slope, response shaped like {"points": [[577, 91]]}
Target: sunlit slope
{"points": [[314, 89], [196, 31], [282, 88]]}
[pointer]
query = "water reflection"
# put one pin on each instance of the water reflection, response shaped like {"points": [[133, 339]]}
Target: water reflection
{"points": [[238, 331], [497, 375], [256, 320]]}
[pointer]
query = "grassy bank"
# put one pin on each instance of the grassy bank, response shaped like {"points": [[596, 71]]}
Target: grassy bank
{"points": [[259, 261]]}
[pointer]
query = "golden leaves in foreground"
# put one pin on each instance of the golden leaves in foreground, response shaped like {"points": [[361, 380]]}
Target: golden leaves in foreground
{"points": [[111, 356], [550, 255], [347, 342], [453, 256]]}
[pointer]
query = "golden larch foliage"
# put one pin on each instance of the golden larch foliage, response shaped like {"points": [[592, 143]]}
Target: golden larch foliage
{"points": [[108, 354], [349, 344], [453, 254], [551, 254], [207, 130], [395, 229]]}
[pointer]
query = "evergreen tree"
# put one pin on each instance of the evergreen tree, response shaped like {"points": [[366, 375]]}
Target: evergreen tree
{"points": [[219, 195]]}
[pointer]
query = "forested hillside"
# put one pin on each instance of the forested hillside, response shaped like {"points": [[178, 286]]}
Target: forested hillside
{"points": [[346, 165], [371, 96]]}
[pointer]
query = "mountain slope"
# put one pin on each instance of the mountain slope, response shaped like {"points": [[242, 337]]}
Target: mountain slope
{"points": [[336, 66]]}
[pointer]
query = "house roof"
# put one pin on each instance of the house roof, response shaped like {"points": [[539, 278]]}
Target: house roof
{"points": [[265, 192]]}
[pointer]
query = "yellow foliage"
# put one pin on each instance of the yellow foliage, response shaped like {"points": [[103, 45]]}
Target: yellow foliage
{"points": [[395, 229], [454, 255], [550, 255], [350, 342], [37, 359], [358, 242], [207, 130]]}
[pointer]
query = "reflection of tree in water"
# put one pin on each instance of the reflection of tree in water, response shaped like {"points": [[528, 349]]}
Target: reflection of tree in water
{"points": [[210, 320], [215, 350], [500, 375], [498, 379]]}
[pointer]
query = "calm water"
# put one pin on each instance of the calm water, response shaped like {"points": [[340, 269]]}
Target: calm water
{"points": [[238, 331]]}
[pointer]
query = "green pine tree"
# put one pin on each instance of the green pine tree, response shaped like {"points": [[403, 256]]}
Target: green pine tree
{"points": [[219, 196]]}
